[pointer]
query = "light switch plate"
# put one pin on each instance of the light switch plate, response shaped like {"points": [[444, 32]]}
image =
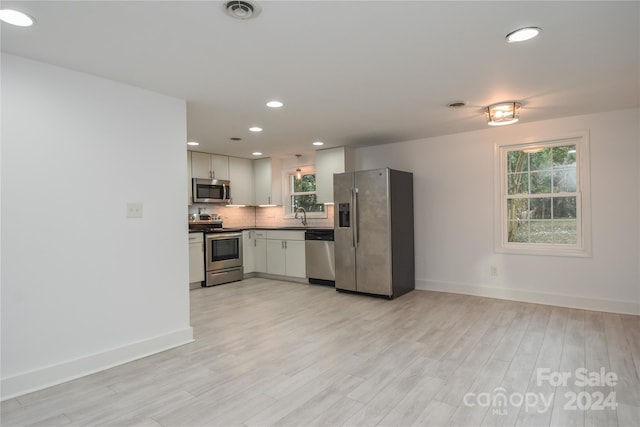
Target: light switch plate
{"points": [[134, 210]]}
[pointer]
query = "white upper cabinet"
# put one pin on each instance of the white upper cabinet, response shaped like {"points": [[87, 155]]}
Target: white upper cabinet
{"points": [[268, 181], [241, 177], [209, 166], [329, 162]]}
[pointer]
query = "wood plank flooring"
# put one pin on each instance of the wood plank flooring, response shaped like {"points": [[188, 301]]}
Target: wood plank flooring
{"points": [[271, 353]]}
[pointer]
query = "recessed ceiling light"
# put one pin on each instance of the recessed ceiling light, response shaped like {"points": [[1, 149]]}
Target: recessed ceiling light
{"points": [[257, 153], [15, 17], [274, 104], [235, 138], [523, 34], [318, 143], [193, 143], [255, 129]]}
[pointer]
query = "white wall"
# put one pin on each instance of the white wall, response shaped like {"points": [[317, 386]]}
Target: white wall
{"points": [[454, 215], [83, 287]]}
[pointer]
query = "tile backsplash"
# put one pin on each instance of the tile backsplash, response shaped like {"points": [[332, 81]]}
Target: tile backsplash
{"points": [[251, 216], [274, 217]]}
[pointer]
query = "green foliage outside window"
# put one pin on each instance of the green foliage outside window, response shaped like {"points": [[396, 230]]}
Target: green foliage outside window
{"points": [[542, 195], [303, 193]]}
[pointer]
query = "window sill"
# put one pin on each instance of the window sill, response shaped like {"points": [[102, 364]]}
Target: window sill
{"points": [[544, 250], [309, 215]]}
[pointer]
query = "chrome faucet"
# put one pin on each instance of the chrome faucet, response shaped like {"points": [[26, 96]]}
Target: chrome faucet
{"points": [[304, 219]]}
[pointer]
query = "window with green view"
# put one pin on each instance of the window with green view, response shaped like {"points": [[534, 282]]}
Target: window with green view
{"points": [[303, 194], [541, 203]]}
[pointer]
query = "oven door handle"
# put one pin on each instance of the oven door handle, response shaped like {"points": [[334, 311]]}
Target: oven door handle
{"points": [[222, 235]]}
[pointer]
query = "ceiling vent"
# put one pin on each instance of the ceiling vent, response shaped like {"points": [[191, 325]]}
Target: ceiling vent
{"points": [[456, 104], [241, 9]]}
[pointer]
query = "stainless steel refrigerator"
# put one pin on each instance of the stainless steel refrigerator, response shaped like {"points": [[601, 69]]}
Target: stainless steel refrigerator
{"points": [[373, 215]]}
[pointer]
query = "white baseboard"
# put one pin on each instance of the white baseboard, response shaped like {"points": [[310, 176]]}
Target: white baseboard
{"points": [[38, 379], [282, 278], [571, 301]]}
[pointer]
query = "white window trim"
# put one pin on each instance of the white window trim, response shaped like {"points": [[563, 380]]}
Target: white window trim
{"points": [[286, 176], [583, 246]]}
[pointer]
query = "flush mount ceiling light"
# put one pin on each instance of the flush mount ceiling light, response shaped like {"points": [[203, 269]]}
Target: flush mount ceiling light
{"points": [[274, 104], [15, 17], [318, 143], [241, 9], [505, 113], [193, 143], [256, 153], [255, 129], [522, 34]]}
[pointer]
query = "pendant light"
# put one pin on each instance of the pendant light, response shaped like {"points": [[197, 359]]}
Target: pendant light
{"points": [[298, 170]]}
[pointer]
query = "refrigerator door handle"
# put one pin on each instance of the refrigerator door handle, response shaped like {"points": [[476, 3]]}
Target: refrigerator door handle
{"points": [[355, 233]]}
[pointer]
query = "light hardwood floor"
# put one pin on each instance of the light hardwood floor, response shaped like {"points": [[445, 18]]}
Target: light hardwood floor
{"points": [[286, 354]]}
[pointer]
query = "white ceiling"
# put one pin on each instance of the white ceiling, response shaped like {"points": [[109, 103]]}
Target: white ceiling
{"points": [[350, 73]]}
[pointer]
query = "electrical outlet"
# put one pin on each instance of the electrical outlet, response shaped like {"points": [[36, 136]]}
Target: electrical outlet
{"points": [[134, 210], [493, 270]]}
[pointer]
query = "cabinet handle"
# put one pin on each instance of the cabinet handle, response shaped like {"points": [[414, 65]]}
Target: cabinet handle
{"points": [[268, 200]]}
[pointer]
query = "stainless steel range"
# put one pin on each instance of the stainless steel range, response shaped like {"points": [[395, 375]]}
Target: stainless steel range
{"points": [[223, 257], [222, 249]]}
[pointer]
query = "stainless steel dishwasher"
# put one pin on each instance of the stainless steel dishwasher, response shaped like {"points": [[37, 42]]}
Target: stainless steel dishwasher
{"points": [[319, 257]]}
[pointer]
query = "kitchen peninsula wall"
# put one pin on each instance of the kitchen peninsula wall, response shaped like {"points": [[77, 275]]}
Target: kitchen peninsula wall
{"points": [[251, 216]]}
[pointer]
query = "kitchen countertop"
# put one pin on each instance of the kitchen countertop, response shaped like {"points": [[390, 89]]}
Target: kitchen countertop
{"points": [[289, 228], [236, 229]]}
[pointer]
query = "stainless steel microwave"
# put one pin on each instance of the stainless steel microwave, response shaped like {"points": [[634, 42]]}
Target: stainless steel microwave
{"points": [[211, 191]]}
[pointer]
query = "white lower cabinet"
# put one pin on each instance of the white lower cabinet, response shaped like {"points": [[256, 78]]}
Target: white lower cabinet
{"points": [[276, 257], [248, 252], [277, 252], [285, 253], [294, 259], [196, 259], [260, 251]]}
